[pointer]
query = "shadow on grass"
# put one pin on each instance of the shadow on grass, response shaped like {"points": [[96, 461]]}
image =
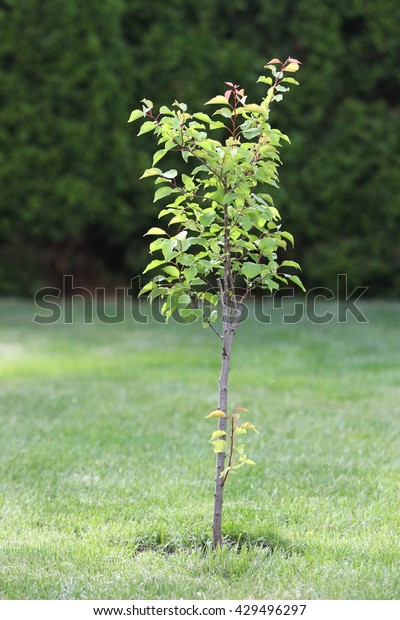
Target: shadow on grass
{"points": [[270, 541], [166, 543], [163, 542]]}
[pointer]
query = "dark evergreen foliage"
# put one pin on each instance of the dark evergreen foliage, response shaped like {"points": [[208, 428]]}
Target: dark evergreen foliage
{"points": [[70, 199]]}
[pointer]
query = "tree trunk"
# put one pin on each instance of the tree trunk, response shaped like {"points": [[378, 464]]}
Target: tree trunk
{"points": [[223, 405]]}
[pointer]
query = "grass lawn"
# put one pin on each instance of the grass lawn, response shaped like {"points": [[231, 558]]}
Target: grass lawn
{"points": [[106, 476]]}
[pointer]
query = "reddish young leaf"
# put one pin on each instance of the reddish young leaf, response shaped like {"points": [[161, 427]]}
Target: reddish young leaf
{"points": [[229, 84], [274, 61], [241, 409], [227, 94], [297, 62]]}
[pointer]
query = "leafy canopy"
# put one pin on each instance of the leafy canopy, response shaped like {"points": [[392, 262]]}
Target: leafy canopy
{"points": [[223, 231], [222, 226]]}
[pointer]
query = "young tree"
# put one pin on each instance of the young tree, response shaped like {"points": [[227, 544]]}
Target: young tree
{"points": [[226, 232]]}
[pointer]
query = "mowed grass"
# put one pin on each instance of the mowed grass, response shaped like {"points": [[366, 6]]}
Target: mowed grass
{"points": [[106, 484]]}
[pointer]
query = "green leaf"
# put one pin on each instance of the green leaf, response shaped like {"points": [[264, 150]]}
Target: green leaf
{"points": [[155, 231], [287, 235], [275, 214], [202, 117], [181, 235], [269, 282], [184, 300], [157, 244], [240, 431], [147, 103], [190, 273], [213, 316], [226, 112], [188, 182], [237, 466], [254, 108], [170, 174], [290, 80], [165, 110], [160, 179], [230, 197], [267, 245], [162, 193], [292, 67], [159, 155], [246, 223], [249, 134], [172, 271], [239, 448], [168, 248], [207, 218], [264, 80], [285, 137], [219, 99], [291, 263], [157, 292], [151, 172], [217, 413], [296, 280], [249, 462], [146, 127], [251, 270], [250, 427], [201, 168], [177, 219], [217, 434], [216, 125], [135, 115], [181, 106], [225, 471], [146, 288], [218, 195], [185, 259], [154, 263], [218, 445], [191, 314], [270, 94]]}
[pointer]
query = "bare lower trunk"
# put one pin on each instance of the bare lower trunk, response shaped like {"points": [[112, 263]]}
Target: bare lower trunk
{"points": [[230, 321], [223, 404]]}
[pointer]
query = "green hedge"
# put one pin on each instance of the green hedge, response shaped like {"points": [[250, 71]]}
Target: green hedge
{"points": [[66, 169], [70, 200]]}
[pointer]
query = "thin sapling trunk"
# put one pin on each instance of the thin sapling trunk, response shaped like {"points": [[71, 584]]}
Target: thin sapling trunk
{"points": [[222, 424]]}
